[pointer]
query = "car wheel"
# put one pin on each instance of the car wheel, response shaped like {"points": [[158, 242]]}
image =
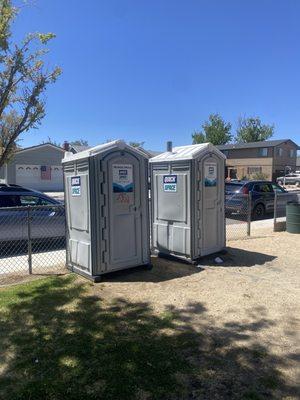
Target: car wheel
{"points": [[258, 211]]}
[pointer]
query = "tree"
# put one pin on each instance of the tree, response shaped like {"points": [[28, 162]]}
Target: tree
{"points": [[23, 81], [215, 131], [252, 130], [79, 142], [198, 138], [136, 144]]}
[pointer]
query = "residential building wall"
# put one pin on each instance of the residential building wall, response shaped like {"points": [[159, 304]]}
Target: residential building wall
{"points": [[47, 155], [247, 153], [245, 167], [41, 155], [269, 161], [281, 161]]}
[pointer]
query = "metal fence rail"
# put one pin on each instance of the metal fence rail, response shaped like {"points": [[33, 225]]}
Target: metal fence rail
{"points": [[32, 241]]}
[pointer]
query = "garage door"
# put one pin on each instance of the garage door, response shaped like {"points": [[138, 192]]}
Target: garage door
{"points": [[39, 177]]}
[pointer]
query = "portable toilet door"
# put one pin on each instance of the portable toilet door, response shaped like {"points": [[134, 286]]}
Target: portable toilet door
{"points": [[213, 220], [125, 218]]}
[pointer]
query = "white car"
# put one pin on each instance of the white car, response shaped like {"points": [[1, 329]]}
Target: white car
{"points": [[292, 178]]}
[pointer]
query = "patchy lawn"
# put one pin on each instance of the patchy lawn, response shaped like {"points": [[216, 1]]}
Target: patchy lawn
{"points": [[65, 338]]}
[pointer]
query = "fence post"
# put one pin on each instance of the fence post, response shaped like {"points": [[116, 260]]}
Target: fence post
{"points": [[249, 214], [275, 211], [29, 241]]}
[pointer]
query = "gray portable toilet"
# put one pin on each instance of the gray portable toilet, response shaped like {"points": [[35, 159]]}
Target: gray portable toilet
{"points": [[187, 192], [106, 196]]}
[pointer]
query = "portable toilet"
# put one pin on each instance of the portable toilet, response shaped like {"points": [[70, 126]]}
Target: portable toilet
{"points": [[187, 192], [107, 209]]}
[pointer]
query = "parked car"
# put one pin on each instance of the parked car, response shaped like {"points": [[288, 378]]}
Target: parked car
{"points": [[262, 197], [45, 222], [292, 178]]}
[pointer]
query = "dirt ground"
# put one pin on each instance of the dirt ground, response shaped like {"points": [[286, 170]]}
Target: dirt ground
{"points": [[254, 296], [244, 311]]}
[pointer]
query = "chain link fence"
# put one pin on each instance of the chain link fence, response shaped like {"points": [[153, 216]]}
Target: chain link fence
{"points": [[33, 238], [32, 241], [238, 216], [247, 216]]}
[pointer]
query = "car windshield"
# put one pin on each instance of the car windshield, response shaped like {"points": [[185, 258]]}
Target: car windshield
{"points": [[233, 187]]}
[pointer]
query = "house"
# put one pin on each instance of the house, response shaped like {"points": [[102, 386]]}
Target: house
{"points": [[36, 167], [269, 159], [75, 148], [298, 163]]}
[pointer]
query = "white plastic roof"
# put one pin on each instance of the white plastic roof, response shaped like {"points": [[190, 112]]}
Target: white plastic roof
{"points": [[186, 152], [116, 144]]}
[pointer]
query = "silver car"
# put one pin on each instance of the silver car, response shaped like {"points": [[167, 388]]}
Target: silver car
{"points": [[47, 215], [292, 178]]}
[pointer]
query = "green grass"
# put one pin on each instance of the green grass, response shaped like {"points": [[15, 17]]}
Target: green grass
{"points": [[58, 341]]}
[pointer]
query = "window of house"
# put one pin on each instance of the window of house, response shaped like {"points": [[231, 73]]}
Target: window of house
{"points": [[279, 151], [254, 170], [292, 153], [263, 152]]}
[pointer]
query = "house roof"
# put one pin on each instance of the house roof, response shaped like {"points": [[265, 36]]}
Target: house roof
{"points": [[20, 150], [185, 152], [250, 145], [154, 153], [79, 148]]}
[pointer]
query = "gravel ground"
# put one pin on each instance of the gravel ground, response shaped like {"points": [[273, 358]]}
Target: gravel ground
{"points": [[253, 298]]}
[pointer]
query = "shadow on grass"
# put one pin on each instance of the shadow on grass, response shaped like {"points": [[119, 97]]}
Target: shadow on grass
{"points": [[60, 342]]}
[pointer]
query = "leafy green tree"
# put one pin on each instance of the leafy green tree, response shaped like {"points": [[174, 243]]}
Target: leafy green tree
{"points": [[23, 81], [252, 130], [79, 142], [215, 131], [198, 138]]}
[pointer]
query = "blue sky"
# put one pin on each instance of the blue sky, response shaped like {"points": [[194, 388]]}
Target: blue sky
{"points": [[154, 70]]}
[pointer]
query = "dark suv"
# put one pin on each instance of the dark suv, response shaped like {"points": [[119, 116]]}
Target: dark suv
{"points": [[262, 197], [46, 222]]}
